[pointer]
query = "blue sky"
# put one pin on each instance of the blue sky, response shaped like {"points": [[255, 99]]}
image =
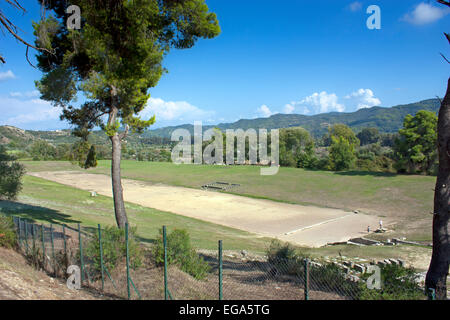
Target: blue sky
{"points": [[287, 56]]}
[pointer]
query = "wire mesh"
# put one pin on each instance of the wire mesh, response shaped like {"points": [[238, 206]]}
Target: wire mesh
{"points": [[121, 269]]}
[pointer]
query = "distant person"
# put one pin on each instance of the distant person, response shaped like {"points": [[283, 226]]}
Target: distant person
{"points": [[381, 224], [368, 229]]}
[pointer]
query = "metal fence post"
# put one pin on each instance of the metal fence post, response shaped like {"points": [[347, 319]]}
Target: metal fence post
{"points": [[128, 261], [20, 233], [43, 245], [306, 279], [66, 258], [166, 290], [220, 270], [53, 248], [33, 230], [17, 229], [101, 255], [26, 236], [81, 254]]}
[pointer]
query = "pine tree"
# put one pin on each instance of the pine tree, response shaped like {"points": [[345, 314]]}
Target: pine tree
{"points": [[114, 59]]}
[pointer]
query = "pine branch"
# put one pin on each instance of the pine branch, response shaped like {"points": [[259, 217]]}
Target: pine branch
{"points": [[444, 2], [13, 30], [445, 58]]}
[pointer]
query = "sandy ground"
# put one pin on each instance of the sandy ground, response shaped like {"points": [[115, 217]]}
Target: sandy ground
{"points": [[303, 225], [20, 281]]}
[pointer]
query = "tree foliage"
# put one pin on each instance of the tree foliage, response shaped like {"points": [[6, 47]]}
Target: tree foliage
{"points": [[11, 173], [42, 150], [296, 147], [114, 59], [8, 26], [342, 149], [91, 159], [369, 136], [416, 149]]}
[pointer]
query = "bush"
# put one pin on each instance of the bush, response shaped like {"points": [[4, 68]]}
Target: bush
{"points": [[285, 258], [11, 173], [114, 249], [8, 236], [181, 253], [332, 278], [397, 283], [35, 257]]}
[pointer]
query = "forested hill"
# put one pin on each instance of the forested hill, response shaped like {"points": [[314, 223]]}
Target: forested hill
{"points": [[386, 120]]}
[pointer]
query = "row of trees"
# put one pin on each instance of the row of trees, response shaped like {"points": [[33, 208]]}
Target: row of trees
{"points": [[117, 56], [80, 152], [411, 150]]}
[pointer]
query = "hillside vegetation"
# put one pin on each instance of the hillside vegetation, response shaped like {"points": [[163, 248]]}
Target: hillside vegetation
{"points": [[386, 120]]}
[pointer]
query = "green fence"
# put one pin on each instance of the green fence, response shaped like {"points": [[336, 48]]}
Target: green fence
{"points": [[118, 265]]}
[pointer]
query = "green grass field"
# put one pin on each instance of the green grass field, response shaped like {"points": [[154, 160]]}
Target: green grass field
{"points": [[49, 202], [406, 198]]}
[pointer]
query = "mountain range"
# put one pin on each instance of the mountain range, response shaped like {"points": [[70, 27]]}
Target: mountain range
{"points": [[386, 120]]}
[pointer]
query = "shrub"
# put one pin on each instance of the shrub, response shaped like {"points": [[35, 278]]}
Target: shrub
{"points": [[328, 277], [285, 258], [8, 236], [11, 173], [35, 257], [332, 278], [397, 283], [91, 159], [180, 252], [114, 249]]}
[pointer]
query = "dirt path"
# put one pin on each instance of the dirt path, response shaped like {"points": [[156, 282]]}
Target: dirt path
{"points": [[20, 281], [304, 225]]}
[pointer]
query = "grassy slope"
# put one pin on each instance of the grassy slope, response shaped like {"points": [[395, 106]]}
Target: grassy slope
{"points": [[48, 202], [408, 199]]}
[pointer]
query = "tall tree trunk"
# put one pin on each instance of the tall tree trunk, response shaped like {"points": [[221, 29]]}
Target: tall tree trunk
{"points": [[436, 279], [116, 141], [119, 205]]}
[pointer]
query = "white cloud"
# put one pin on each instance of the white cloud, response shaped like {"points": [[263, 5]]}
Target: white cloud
{"points": [[8, 75], [175, 111], [318, 103], [295, 107], [264, 111], [363, 98], [355, 6], [288, 109], [28, 94], [28, 113], [425, 13], [324, 102]]}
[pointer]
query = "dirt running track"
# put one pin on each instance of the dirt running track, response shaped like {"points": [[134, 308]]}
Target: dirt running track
{"points": [[303, 225]]}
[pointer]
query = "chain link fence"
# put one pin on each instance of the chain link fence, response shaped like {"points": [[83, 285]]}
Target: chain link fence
{"points": [[114, 263]]}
